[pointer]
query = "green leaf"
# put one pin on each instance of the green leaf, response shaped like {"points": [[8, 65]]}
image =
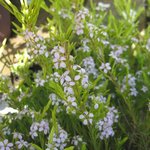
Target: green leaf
{"points": [[96, 81], [83, 146], [34, 7], [54, 120], [120, 143], [45, 7], [45, 109], [50, 139], [57, 89], [55, 126], [108, 99], [69, 148], [36, 146]]}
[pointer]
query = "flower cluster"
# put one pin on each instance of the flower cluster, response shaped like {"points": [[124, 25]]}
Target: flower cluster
{"points": [[59, 58], [24, 112], [21, 143], [97, 100], [105, 125], [89, 66], [84, 47], [89, 61], [35, 44], [86, 117], [55, 77], [66, 80], [105, 67], [55, 99], [93, 30], [59, 140], [5, 145], [131, 80], [77, 140], [39, 81], [64, 14], [116, 53], [68, 84], [36, 127], [144, 88], [81, 75], [80, 16], [102, 6]]}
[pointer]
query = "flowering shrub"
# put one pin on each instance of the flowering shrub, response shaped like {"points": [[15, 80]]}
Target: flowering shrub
{"points": [[84, 86]]}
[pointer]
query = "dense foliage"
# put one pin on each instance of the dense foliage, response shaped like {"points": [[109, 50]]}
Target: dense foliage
{"points": [[83, 86]]}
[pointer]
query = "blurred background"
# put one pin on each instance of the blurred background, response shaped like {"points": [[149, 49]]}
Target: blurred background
{"points": [[6, 18], [14, 43]]}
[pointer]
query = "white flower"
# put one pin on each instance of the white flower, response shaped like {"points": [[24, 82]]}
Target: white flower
{"points": [[79, 29], [55, 77], [55, 100], [46, 54], [74, 104], [59, 140], [34, 46], [5, 145], [131, 80], [91, 115], [86, 117], [39, 81], [85, 81], [116, 53], [102, 6], [96, 106], [22, 144], [102, 99], [81, 116], [44, 126], [62, 65], [105, 67], [105, 125], [33, 130], [76, 140], [77, 77], [67, 78], [68, 90], [144, 89], [17, 135], [58, 55], [133, 91], [85, 122], [89, 65], [80, 16]]}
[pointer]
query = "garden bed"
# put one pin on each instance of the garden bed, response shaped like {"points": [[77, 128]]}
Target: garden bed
{"points": [[83, 86]]}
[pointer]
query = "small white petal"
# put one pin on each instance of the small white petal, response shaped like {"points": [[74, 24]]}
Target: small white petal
{"points": [[62, 65], [81, 117], [77, 77], [91, 115], [74, 104], [96, 106], [67, 78], [85, 122]]}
